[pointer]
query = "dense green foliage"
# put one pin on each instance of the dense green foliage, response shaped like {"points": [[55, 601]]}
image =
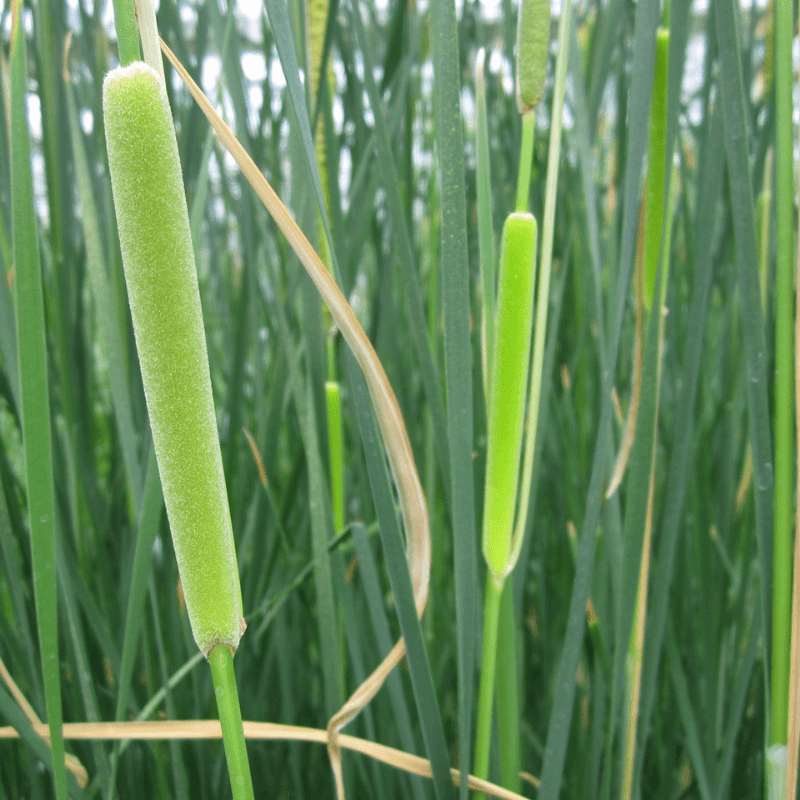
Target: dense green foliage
{"points": [[403, 220]]}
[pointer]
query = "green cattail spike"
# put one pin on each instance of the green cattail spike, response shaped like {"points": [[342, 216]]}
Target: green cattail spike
{"points": [[508, 390], [163, 294], [533, 36]]}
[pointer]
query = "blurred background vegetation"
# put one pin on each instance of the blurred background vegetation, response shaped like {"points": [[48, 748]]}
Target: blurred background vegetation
{"points": [[319, 620]]}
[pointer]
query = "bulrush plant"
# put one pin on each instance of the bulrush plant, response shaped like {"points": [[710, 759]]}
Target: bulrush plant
{"points": [[631, 652], [161, 277]]}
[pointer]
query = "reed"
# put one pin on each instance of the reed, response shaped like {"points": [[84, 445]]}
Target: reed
{"points": [[592, 697]]}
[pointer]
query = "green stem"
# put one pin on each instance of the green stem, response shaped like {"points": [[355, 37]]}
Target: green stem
{"points": [[127, 32], [525, 161], [491, 614], [782, 552], [230, 718], [507, 691]]}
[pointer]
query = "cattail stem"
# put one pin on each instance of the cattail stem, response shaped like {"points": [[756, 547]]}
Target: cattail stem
{"points": [[230, 719]]}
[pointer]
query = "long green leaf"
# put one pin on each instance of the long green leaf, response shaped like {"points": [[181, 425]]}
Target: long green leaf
{"points": [[733, 106], [564, 693], [457, 354], [380, 624], [35, 399], [419, 340], [400, 579], [678, 472], [150, 512]]}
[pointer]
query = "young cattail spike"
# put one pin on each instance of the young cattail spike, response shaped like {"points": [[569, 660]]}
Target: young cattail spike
{"points": [[163, 294], [533, 37], [509, 386]]}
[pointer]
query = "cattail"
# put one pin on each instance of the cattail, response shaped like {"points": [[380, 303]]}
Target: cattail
{"points": [[163, 294], [509, 385], [533, 36]]}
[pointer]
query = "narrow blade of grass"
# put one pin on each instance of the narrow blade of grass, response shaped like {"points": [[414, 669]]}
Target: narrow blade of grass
{"points": [[419, 340], [564, 693], [372, 590], [458, 357], [321, 532], [20, 631], [694, 741], [150, 513], [35, 401], [637, 491], [400, 579], [736, 138]]}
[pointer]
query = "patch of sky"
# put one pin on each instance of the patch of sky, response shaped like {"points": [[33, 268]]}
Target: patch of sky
{"points": [[369, 117], [337, 111], [188, 15], [34, 112], [87, 121], [254, 66], [210, 72], [500, 65], [276, 77], [468, 109], [695, 61], [40, 187], [358, 63], [426, 75], [255, 100]]}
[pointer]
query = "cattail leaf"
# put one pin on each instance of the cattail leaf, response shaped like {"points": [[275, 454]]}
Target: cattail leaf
{"points": [[34, 397]]}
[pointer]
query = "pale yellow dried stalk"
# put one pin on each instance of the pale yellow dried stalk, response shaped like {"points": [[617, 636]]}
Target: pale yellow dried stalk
{"points": [[160, 730]]}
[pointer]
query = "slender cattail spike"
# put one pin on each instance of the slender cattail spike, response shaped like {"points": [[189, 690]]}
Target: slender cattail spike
{"points": [[163, 294], [533, 37]]}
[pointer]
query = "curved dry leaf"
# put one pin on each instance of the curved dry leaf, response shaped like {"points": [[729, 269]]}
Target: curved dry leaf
{"points": [[159, 730], [390, 420], [626, 446]]}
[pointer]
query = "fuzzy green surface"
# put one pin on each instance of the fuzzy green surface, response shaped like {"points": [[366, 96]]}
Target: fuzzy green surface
{"points": [[165, 305], [533, 35], [509, 385]]}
